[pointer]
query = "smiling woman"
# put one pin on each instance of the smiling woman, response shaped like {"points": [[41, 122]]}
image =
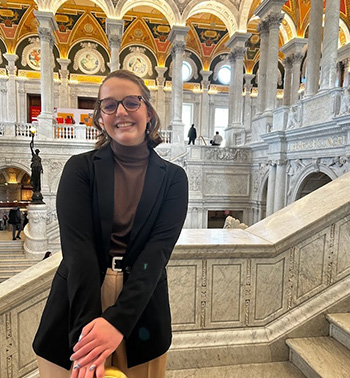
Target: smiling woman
{"points": [[109, 300]]}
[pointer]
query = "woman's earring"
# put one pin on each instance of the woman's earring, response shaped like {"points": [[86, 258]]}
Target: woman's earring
{"points": [[148, 125]]}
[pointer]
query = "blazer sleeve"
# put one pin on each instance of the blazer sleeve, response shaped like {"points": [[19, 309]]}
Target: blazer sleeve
{"points": [[80, 263], [153, 258]]}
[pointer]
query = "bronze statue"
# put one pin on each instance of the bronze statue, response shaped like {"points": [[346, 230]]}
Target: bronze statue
{"points": [[37, 170]]}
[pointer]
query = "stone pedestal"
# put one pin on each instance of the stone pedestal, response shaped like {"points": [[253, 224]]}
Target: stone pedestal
{"points": [[35, 244]]}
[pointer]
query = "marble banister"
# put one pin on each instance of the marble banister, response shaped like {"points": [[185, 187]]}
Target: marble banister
{"points": [[235, 294]]}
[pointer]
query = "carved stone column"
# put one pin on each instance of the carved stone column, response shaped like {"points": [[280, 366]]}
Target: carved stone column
{"points": [[263, 29], [330, 44], [274, 21], [314, 48], [114, 30], [204, 114], [3, 99], [47, 25], [294, 56], [177, 38], [247, 121], [63, 99], [11, 87], [287, 81], [35, 244], [270, 200], [21, 100], [280, 185], [236, 44], [161, 95]]}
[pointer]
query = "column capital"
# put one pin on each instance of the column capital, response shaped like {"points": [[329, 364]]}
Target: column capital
{"points": [[237, 40], [178, 33], [205, 75], [64, 63], [45, 34], [263, 27], [268, 7], [294, 46], [46, 20], [115, 41], [297, 57], [11, 67], [237, 53], [288, 62], [114, 27], [274, 20], [160, 71], [178, 47]]}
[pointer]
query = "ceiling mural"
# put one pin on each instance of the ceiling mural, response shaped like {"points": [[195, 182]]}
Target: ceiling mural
{"points": [[82, 20]]}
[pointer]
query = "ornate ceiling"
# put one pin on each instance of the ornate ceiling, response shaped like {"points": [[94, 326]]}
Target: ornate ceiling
{"points": [[210, 26]]}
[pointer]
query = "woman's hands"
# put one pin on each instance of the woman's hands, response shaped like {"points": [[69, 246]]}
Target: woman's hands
{"points": [[98, 340]]}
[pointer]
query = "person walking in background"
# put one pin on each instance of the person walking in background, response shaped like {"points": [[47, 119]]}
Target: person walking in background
{"points": [[120, 208], [192, 134], [217, 139], [15, 219], [5, 220]]}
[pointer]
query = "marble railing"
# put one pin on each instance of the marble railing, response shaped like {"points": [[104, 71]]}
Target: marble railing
{"points": [[235, 294]]}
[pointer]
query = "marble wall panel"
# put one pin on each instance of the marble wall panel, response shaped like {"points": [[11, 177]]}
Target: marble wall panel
{"points": [[269, 288], [225, 293], [311, 265], [342, 244], [226, 184], [27, 323], [184, 293]]}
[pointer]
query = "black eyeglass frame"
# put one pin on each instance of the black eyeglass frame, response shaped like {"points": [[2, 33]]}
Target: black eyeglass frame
{"points": [[121, 102]]}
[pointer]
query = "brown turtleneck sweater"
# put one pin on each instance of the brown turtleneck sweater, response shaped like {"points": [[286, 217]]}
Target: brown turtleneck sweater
{"points": [[130, 165]]}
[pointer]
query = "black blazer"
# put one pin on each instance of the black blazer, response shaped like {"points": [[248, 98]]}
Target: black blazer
{"points": [[85, 200]]}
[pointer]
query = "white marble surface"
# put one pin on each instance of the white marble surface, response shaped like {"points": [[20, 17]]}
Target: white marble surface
{"points": [[268, 370]]}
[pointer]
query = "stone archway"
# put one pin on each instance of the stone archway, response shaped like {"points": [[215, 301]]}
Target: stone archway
{"points": [[312, 182], [14, 186]]}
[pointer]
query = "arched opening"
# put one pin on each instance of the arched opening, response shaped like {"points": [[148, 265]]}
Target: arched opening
{"points": [[15, 187], [311, 183]]}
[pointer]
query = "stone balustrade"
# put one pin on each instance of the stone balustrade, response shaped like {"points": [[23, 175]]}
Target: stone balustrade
{"points": [[235, 294]]}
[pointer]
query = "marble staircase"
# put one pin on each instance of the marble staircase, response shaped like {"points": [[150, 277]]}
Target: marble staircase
{"points": [[326, 356], [265, 370], [13, 259]]}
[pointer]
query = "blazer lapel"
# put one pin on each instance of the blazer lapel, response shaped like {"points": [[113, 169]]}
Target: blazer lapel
{"points": [[153, 182], [104, 180]]}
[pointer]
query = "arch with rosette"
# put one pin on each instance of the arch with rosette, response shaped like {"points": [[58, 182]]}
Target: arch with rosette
{"points": [[168, 8], [221, 10], [53, 5]]}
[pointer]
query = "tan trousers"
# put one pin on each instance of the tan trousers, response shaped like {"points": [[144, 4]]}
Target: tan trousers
{"points": [[156, 368]]}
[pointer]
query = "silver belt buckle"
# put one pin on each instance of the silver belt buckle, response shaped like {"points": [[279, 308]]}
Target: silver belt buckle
{"points": [[114, 263]]}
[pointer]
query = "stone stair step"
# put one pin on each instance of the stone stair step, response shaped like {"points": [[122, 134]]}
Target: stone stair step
{"points": [[12, 256], [16, 265], [263, 370], [340, 328], [320, 357]]}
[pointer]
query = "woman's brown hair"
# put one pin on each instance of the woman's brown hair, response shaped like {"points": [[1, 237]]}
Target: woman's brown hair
{"points": [[152, 129]]}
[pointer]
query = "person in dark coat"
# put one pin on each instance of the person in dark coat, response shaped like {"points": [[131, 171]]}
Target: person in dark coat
{"points": [[192, 134], [15, 219], [121, 208]]}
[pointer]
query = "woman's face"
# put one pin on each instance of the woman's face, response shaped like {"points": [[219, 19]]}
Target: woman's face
{"points": [[126, 128]]}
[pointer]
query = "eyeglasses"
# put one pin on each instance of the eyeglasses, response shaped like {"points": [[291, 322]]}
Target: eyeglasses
{"points": [[130, 104]]}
